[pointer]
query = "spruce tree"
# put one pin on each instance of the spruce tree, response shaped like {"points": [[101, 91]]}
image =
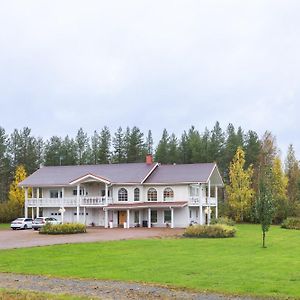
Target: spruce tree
{"points": [[83, 147], [119, 146], [162, 150], [104, 146]]}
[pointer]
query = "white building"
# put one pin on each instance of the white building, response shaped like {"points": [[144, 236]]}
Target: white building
{"points": [[129, 194]]}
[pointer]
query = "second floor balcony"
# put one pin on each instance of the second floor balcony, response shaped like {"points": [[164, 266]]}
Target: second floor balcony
{"points": [[204, 201]]}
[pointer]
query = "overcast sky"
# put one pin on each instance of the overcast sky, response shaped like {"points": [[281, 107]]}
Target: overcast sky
{"points": [[153, 64]]}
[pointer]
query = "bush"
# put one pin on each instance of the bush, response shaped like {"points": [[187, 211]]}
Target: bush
{"points": [[291, 223], [67, 228], [223, 220], [210, 231]]}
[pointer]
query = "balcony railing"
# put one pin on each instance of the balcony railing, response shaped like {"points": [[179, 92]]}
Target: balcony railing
{"points": [[196, 201], [68, 201]]}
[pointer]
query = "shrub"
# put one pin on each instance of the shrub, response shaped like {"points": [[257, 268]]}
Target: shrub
{"points": [[210, 231], [67, 228], [223, 220], [291, 223]]}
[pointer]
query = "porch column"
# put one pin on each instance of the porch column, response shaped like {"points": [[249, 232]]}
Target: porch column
{"points": [[78, 200], [84, 215], [106, 193], [128, 218], [201, 215], [26, 203], [32, 212], [149, 217], [105, 218], [37, 202], [172, 217], [208, 202], [140, 218], [216, 194]]}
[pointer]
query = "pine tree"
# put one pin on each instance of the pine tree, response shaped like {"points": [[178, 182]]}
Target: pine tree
{"points": [[149, 142], [104, 146], [83, 148], [135, 145], [67, 152], [252, 148], [216, 146], [173, 149], [162, 150], [4, 165], [194, 145], [239, 191], [184, 151], [94, 148], [119, 146], [54, 151]]}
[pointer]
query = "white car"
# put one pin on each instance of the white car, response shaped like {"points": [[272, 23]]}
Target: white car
{"points": [[21, 223], [41, 221]]}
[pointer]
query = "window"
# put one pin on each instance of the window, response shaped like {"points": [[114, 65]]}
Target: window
{"points": [[167, 216], [122, 195], [153, 216], [152, 194], [53, 193], [136, 216], [136, 194], [81, 192], [190, 213], [168, 194], [197, 213]]}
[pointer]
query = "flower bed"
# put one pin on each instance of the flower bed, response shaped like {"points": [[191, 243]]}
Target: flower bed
{"points": [[210, 231], [68, 228]]}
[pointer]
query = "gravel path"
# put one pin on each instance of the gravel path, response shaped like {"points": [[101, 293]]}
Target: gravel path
{"points": [[101, 289]]}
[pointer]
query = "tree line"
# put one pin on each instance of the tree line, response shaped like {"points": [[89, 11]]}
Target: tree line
{"points": [[131, 145]]}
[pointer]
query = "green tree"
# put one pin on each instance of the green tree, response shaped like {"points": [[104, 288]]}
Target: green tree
{"points": [[136, 149], [173, 149], [184, 151], [252, 148], [162, 150], [216, 146], [54, 151], [67, 152], [4, 165], [149, 143], [104, 155], [239, 191], [119, 146], [83, 147], [264, 203]]}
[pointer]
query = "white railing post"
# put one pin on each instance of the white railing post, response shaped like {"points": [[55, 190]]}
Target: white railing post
{"points": [[105, 218], [106, 193], [209, 209], [26, 203], [128, 218], [216, 195], [172, 217], [78, 200], [149, 217]]}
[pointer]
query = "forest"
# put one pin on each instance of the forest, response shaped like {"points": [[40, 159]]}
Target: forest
{"points": [[131, 145]]}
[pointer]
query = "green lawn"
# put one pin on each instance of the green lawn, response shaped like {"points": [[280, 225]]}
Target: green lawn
{"points": [[235, 265], [4, 226]]}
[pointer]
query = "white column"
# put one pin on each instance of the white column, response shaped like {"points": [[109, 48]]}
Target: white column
{"points": [[200, 214], [84, 215], [172, 217], [78, 200], [106, 193], [149, 217], [128, 218], [140, 218], [209, 213], [37, 202], [32, 212], [105, 218], [26, 203], [216, 194]]}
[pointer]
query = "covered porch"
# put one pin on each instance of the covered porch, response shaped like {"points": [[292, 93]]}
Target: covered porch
{"points": [[144, 214]]}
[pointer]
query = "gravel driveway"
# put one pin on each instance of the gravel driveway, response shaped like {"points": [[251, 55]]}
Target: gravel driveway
{"points": [[10, 239], [101, 289]]}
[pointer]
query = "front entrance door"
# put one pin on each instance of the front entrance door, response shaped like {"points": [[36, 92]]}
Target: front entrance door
{"points": [[122, 217]]}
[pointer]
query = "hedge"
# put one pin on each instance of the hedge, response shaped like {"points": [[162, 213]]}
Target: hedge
{"points": [[67, 228], [210, 231], [291, 223], [223, 220]]}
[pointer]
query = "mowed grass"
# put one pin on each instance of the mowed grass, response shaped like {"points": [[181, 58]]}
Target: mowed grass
{"points": [[4, 226], [234, 265]]}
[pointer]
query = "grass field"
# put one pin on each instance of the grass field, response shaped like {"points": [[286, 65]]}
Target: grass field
{"points": [[235, 265], [4, 226], [25, 295]]}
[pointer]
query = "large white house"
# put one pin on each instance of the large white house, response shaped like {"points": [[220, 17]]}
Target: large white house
{"points": [[129, 194]]}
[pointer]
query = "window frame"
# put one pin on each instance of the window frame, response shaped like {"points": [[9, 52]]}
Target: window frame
{"points": [[168, 211], [122, 195], [151, 217], [166, 191], [136, 194], [150, 193]]}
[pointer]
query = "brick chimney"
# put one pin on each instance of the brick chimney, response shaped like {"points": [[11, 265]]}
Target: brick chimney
{"points": [[149, 159]]}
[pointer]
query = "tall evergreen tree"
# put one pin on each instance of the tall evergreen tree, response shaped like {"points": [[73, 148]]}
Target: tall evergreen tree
{"points": [[162, 150], [149, 143], [216, 146], [94, 148], [184, 151], [194, 145], [83, 147], [4, 165], [54, 151], [136, 146], [104, 146], [67, 152], [173, 149], [252, 148], [119, 146]]}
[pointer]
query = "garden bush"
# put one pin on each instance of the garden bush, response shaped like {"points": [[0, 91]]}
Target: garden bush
{"points": [[291, 223], [67, 228], [223, 220], [210, 231]]}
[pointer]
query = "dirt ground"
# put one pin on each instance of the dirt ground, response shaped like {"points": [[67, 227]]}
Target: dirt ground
{"points": [[10, 239]]}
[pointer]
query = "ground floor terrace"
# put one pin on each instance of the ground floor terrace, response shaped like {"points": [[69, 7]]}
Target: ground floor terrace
{"points": [[169, 215]]}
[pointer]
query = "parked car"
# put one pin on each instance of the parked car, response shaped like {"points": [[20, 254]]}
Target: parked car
{"points": [[21, 223], [41, 221]]}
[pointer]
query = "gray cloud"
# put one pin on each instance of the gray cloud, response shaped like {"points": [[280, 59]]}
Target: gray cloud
{"points": [[66, 64]]}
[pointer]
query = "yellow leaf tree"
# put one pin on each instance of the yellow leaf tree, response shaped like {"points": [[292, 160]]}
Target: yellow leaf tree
{"points": [[16, 195], [279, 190], [239, 191]]}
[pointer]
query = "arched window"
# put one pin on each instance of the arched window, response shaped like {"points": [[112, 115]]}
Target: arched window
{"points": [[122, 195], [168, 194], [152, 194], [136, 194]]}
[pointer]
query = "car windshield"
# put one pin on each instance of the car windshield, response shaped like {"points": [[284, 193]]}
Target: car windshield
{"points": [[19, 219]]}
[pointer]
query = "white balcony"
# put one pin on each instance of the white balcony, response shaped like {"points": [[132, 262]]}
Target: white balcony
{"points": [[206, 201], [68, 202]]}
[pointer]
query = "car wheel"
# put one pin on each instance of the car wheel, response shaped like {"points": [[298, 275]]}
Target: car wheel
{"points": [[14, 228], [25, 226], [35, 228]]}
